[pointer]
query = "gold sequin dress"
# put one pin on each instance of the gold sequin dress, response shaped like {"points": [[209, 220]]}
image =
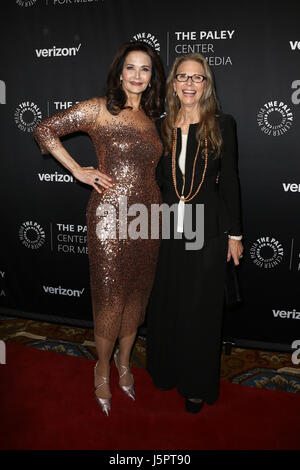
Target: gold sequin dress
{"points": [[122, 267]]}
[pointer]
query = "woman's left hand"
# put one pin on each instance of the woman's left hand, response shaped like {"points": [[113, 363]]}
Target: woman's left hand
{"points": [[235, 250]]}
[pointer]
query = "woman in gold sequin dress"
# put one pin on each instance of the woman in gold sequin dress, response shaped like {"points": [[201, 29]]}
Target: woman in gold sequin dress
{"points": [[122, 128]]}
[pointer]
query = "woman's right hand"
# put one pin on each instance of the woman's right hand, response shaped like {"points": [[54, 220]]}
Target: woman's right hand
{"points": [[88, 175]]}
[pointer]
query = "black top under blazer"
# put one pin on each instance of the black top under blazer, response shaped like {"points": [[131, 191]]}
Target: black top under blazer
{"points": [[222, 208]]}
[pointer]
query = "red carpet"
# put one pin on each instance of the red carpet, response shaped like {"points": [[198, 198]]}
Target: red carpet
{"points": [[47, 403]]}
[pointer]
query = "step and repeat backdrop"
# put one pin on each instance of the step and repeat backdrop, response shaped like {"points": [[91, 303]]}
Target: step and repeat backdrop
{"points": [[57, 52]]}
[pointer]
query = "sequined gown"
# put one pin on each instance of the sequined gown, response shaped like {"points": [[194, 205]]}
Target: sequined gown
{"points": [[122, 266]]}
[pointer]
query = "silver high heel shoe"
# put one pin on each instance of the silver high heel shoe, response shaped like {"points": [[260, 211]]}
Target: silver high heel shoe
{"points": [[127, 389], [104, 403]]}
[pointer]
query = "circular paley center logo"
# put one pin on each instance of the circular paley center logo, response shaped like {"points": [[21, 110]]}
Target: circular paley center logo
{"points": [[25, 3], [27, 116], [32, 235], [275, 118], [266, 252], [149, 39]]}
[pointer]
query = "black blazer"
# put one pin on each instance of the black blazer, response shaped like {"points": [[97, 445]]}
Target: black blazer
{"points": [[222, 208]]}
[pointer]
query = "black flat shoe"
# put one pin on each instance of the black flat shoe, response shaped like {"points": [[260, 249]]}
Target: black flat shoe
{"points": [[164, 389], [192, 406]]}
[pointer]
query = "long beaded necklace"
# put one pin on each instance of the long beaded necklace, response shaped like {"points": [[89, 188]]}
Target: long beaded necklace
{"points": [[174, 145]]}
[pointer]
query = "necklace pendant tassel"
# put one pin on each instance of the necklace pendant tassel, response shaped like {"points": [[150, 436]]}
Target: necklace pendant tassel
{"points": [[180, 216]]}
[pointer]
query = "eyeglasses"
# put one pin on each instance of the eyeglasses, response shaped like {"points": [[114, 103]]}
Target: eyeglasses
{"points": [[196, 78]]}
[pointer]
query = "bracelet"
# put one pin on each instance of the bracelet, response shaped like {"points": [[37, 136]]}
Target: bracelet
{"points": [[235, 237]]}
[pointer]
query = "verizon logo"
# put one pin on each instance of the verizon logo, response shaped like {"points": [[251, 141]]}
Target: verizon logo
{"points": [[62, 291], [293, 187], [56, 177], [295, 45], [286, 314], [57, 51]]}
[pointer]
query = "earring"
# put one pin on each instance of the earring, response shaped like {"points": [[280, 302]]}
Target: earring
{"points": [[149, 85]]}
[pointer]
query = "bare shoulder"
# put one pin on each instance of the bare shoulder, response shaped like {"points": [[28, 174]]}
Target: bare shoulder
{"points": [[101, 101], [102, 108]]}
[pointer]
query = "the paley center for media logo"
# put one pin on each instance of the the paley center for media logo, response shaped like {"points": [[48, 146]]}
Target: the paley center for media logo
{"points": [[148, 38], [266, 252], [27, 116], [275, 118], [32, 235], [25, 3]]}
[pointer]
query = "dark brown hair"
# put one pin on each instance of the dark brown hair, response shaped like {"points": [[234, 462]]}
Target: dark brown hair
{"points": [[152, 100]]}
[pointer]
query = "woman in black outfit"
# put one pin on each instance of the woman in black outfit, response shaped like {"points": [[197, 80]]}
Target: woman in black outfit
{"points": [[200, 167]]}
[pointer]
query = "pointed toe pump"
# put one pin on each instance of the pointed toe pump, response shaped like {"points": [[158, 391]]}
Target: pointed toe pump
{"points": [[127, 389], [104, 403]]}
